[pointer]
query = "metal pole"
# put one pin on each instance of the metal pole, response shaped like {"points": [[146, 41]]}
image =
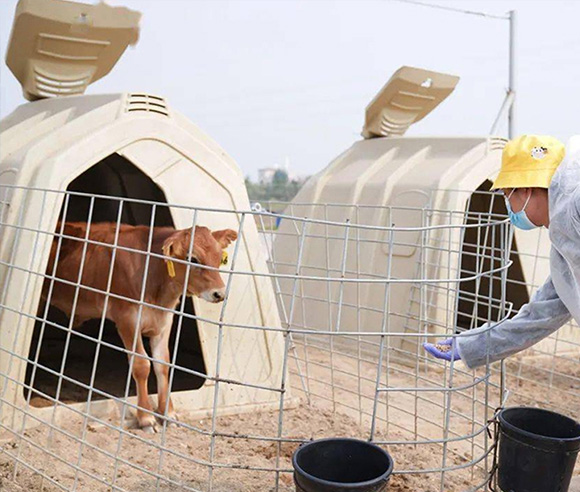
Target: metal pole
{"points": [[512, 74], [505, 108]]}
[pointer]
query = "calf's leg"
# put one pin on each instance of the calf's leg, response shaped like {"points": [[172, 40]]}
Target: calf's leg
{"points": [[160, 352], [141, 369]]}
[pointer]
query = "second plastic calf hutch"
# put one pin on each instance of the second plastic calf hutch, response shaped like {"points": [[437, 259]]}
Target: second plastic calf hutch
{"points": [[388, 179]]}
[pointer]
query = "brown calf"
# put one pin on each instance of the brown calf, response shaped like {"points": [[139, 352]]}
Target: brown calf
{"points": [[163, 287]]}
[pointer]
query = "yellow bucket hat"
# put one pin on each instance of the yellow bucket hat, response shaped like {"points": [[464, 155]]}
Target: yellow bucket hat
{"points": [[529, 161]]}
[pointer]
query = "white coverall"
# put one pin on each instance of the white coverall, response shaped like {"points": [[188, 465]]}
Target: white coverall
{"points": [[558, 299]]}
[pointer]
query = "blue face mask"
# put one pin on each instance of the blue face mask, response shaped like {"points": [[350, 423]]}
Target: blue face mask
{"points": [[520, 219]]}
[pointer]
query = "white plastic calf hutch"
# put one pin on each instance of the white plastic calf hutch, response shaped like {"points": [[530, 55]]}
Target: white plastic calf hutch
{"points": [[407, 182], [114, 145], [56, 156]]}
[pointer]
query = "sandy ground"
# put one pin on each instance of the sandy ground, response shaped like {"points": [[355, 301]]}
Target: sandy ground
{"points": [[234, 449], [341, 403]]}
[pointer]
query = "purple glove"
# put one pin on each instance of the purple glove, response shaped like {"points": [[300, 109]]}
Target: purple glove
{"points": [[446, 349]]}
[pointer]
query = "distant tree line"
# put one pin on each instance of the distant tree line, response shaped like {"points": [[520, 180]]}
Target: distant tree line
{"points": [[281, 188]]}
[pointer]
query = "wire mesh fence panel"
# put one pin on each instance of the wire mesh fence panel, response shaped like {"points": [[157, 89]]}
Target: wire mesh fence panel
{"points": [[394, 287], [153, 346], [99, 315]]}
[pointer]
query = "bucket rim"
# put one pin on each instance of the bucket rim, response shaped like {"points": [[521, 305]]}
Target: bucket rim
{"points": [[329, 483], [533, 435]]}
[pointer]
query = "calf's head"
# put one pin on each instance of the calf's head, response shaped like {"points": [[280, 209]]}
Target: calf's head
{"points": [[208, 250]]}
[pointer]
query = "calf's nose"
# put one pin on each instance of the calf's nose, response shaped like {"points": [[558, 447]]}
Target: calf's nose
{"points": [[218, 295]]}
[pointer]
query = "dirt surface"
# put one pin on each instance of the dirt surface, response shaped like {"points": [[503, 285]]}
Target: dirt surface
{"points": [[229, 449], [341, 395]]}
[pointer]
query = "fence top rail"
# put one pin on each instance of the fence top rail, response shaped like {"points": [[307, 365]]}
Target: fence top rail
{"points": [[487, 220]]}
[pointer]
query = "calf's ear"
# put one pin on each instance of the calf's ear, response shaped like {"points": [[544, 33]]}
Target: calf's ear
{"points": [[177, 244], [225, 237]]}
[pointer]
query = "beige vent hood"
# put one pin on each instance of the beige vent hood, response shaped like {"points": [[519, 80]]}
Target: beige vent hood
{"points": [[409, 96], [57, 48]]}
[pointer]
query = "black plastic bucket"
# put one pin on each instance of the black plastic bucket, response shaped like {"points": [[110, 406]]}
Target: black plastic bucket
{"points": [[341, 465], [537, 450]]}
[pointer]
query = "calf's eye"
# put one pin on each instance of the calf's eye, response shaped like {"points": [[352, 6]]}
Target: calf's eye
{"points": [[194, 260]]}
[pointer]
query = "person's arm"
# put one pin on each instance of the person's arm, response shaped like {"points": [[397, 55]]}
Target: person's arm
{"points": [[534, 321]]}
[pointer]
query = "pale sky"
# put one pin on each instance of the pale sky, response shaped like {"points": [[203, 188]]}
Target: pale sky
{"points": [[271, 80]]}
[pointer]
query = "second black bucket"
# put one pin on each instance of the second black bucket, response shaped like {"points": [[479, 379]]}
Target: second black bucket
{"points": [[341, 465], [537, 450]]}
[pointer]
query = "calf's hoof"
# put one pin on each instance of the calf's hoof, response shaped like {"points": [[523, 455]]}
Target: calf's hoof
{"points": [[148, 424], [171, 418], [149, 429]]}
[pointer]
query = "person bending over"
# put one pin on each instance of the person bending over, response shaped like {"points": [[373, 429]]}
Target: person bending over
{"points": [[541, 189]]}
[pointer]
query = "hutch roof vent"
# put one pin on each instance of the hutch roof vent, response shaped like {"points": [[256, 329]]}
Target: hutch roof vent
{"points": [[408, 96], [57, 48], [146, 102]]}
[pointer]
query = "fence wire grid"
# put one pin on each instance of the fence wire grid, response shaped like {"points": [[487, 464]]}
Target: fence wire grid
{"points": [[325, 310]]}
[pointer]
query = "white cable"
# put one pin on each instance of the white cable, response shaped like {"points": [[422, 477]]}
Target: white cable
{"points": [[453, 9]]}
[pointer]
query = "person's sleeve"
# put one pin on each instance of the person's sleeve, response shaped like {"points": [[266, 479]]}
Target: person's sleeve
{"points": [[534, 321]]}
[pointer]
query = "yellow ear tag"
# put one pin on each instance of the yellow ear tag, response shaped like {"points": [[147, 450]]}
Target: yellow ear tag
{"points": [[170, 268], [224, 258], [169, 263]]}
